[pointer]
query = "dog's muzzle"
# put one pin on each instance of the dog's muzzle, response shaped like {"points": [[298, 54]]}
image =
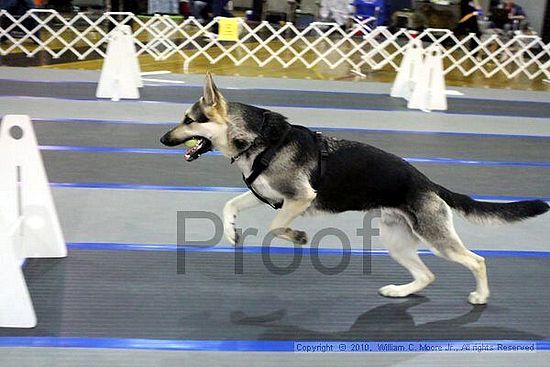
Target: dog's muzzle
{"points": [[167, 140], [203, 145]]}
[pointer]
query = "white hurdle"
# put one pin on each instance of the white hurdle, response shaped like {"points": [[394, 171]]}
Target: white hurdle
{"points": [[120, 75], [420, 79], [429, 91], [29, 226], [408, 72]]}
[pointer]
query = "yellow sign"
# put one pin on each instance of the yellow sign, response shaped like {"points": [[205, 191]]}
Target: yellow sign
{"points": [[228, 29]]}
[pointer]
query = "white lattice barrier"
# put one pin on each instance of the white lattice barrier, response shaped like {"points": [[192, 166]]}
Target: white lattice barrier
{"points": [[362, 46]]}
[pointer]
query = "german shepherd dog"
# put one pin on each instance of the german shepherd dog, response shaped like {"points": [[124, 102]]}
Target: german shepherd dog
{"points": [[357, 177]]}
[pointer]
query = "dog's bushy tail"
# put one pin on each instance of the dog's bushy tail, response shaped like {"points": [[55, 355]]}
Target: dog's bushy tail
{"points": [[486, 212]]}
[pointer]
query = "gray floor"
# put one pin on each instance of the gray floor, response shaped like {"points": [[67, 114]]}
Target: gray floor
{"points": [[41, 357], [486, 125], [215, 171], [167, 113], [198, 296], [406, 145], [150, 217], [276, 98], [241, 82]]}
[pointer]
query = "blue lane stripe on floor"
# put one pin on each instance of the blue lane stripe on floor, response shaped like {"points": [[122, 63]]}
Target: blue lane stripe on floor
{"points": [[356, 251], [122, 186], [165, 151], [337, 129], [260, 346]]}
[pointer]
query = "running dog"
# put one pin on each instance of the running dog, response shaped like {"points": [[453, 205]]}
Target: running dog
{"points": [[306, 173]]}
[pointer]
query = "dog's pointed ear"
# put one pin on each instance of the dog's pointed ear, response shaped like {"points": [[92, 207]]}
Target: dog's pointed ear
{"points": [[211, 94]]}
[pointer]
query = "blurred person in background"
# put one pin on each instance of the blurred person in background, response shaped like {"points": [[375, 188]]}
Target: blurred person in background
{"points": [[199, 10], [506, 20], [508, 15], [219, 8], [469, 11], [206, 10], [339, 10], [514, 10]]}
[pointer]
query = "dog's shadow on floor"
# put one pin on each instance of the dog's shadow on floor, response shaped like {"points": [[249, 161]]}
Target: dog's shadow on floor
{"points": [[391, 321]]}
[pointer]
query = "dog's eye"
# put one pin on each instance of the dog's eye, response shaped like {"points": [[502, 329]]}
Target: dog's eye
{"points": [[188, 120], [201, 118]]}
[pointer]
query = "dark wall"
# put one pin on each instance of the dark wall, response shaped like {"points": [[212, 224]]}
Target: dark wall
{"points": [[396, 5], [546, 26], [61, 5]]}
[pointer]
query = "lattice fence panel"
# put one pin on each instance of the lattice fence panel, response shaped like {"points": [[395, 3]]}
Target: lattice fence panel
{"points": [[362, 46]]}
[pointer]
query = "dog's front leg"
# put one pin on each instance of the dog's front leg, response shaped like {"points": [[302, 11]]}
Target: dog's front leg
{"points": [[291, 210], [230, 211]]}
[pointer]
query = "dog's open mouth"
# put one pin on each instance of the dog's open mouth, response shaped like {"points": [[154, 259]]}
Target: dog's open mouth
{"points": [[203, 145]]}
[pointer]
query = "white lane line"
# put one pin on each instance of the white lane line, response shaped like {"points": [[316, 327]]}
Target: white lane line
{"points": [[158, 72], [163, 81]]}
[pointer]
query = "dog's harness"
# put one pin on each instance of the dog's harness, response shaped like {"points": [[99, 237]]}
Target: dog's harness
{"points": [[263, 159]]}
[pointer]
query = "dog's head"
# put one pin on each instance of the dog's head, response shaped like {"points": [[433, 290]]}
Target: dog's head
{"points": [[205, 121], [229, 127]]}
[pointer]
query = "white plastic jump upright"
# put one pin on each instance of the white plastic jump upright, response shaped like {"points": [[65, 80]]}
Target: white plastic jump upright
{"points": [[420, 79], [409, 70], [120, 75], [429, 92], [29, 226]]}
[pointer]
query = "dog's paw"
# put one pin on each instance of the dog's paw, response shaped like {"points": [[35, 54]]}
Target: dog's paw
{"points": [[477, 299], [298, 237], [393, 290]]}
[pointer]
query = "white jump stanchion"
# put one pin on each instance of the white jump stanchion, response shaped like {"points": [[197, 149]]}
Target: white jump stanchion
{"points": [[29, 226], [16, 309], [409, 70], [120, 75], [429, 92], [131, 54]]}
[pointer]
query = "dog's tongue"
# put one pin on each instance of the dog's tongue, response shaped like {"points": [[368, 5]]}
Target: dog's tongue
{"points": [[191, 153]]}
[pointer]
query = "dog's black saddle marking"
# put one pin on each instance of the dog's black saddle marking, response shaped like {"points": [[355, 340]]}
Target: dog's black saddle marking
{"points": [[262, 161]]}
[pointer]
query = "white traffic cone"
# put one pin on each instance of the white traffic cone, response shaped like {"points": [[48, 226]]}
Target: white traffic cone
{"points": [[120, 75], [409, 70], [29, 225], [429, 92]]}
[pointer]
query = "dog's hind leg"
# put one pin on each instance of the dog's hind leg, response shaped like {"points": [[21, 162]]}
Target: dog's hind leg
{"points": [[292, 208], [434, 224], [398, 237], [230, 211]]}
